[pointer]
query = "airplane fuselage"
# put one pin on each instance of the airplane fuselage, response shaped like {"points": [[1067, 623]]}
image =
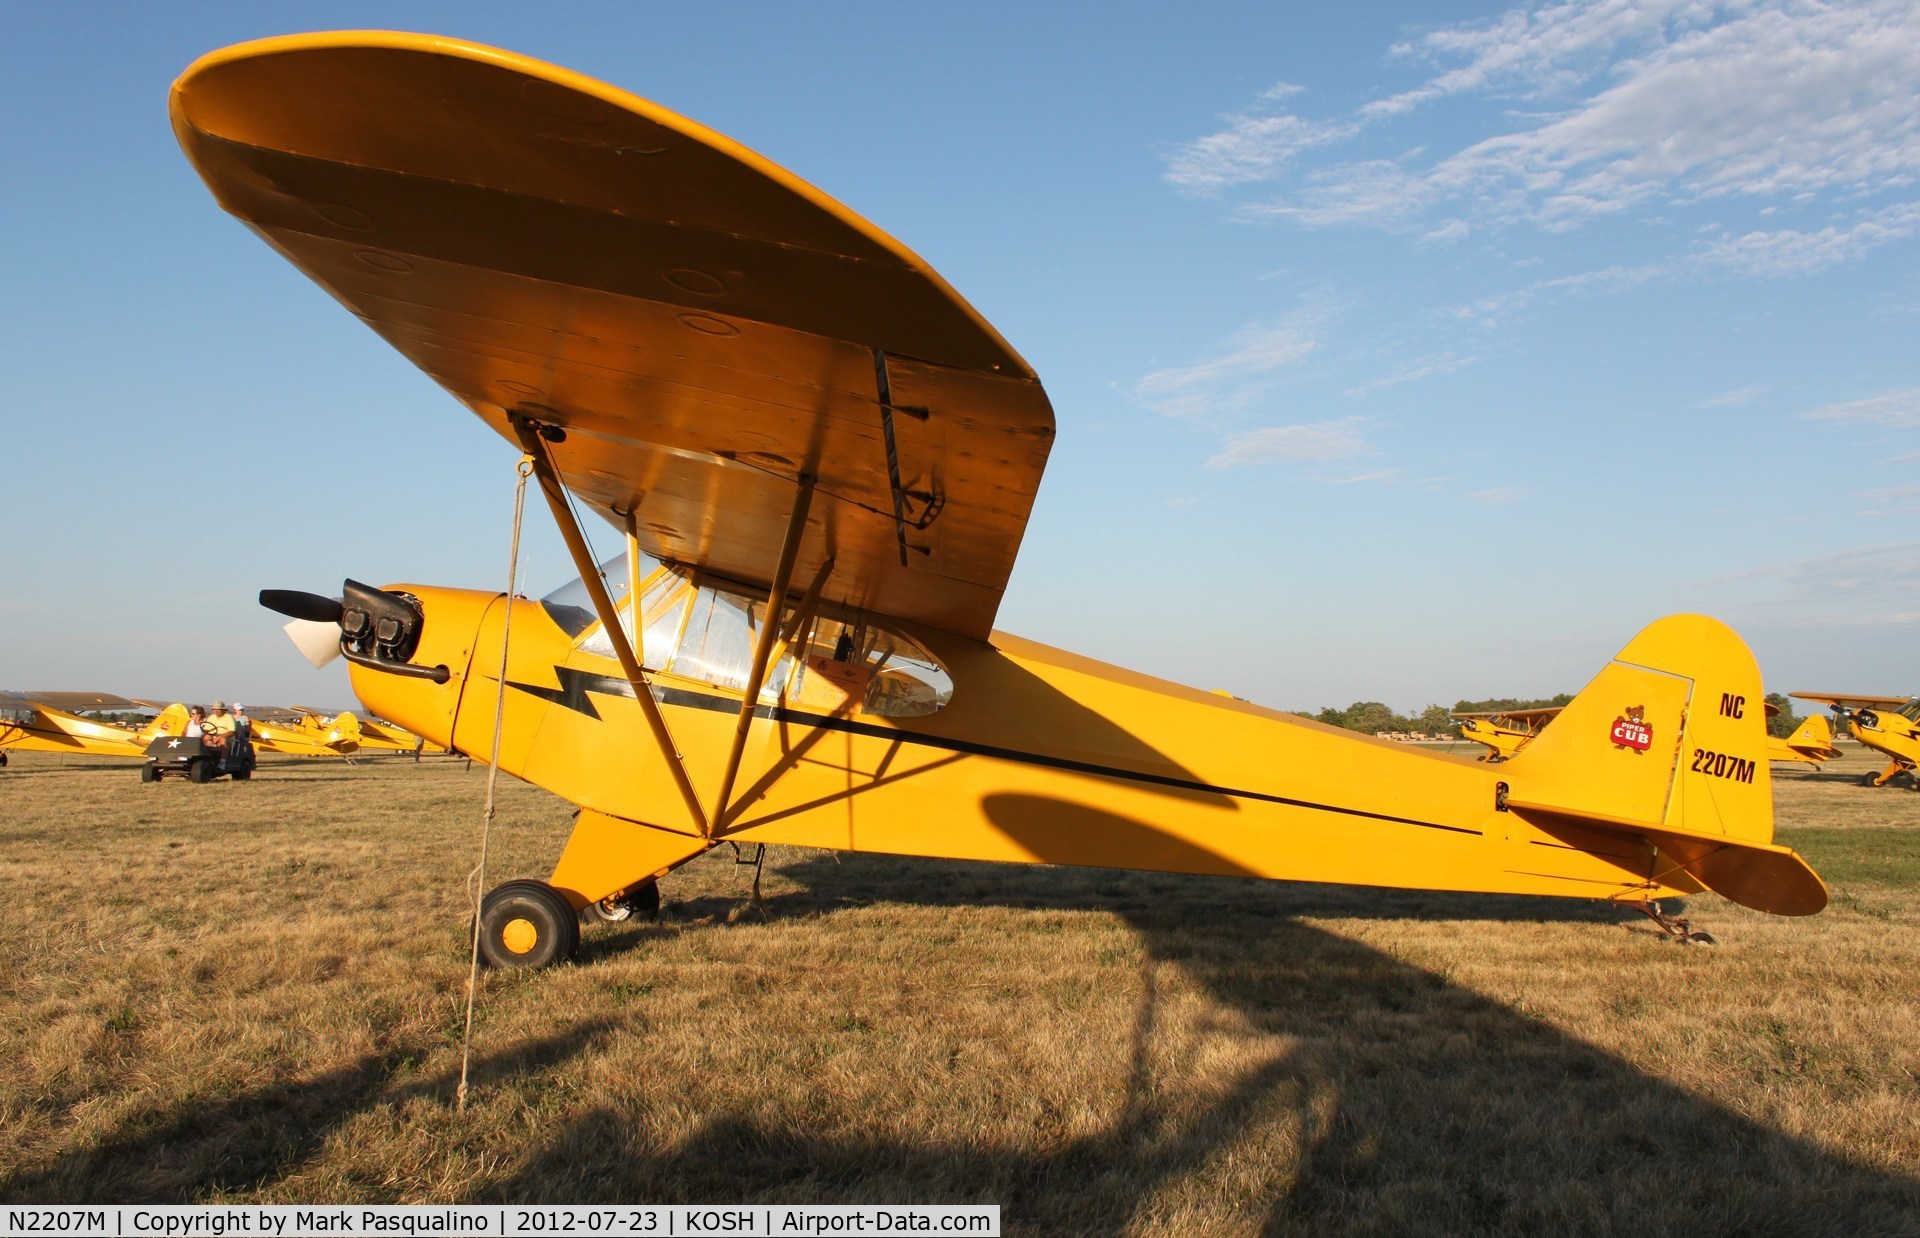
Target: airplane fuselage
{"points": [[1040, 756]]}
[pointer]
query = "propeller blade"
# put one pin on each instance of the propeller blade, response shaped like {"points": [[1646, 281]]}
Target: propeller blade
{"points": [[318, 642], [297, 605]]}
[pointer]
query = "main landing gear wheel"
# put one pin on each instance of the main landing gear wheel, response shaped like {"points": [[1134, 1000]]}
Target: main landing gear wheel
{"points": [[527, 924], [642, 902]]}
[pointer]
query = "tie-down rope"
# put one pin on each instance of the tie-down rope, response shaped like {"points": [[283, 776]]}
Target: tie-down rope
{"points": [[477, 879]]}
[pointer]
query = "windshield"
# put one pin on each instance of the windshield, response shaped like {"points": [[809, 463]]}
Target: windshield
{"points": [[572, 607]]}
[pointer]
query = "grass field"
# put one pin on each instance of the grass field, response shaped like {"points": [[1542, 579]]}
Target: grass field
{"points": [[254, 992]]}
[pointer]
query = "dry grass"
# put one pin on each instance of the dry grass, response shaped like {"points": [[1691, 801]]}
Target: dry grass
{"points": [[253, 992]]}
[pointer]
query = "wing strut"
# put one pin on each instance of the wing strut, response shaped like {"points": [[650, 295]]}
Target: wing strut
{"points": [[763, 646], [901, 495], [533, 440]]}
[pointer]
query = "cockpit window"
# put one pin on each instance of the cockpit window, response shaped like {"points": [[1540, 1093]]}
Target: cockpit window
{"points": [[571, 606], [663, 605], [705, 629], [887, 673]]}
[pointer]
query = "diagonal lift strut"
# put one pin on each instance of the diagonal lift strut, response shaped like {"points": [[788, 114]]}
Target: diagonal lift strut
{"points": [[535, 445]]}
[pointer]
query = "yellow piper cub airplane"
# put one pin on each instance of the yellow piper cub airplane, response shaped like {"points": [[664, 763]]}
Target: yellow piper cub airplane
{"points": [[834, 456], [1504, 732], [46, 722], [1889, 725], [1810, 744]]}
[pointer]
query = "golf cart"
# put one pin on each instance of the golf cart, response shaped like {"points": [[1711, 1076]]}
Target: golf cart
{"points": [[189, 757]]}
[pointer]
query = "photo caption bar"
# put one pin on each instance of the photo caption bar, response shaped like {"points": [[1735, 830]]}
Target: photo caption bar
{"points": [[497, 1220]]}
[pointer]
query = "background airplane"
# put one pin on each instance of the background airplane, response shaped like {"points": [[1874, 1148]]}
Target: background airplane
{"points": [[1811, 743], [1889, 725], [47, 722], [1504, 732]]}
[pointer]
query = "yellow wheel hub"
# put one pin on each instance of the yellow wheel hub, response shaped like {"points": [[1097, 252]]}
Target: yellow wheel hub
{"points": [[520, 936]]}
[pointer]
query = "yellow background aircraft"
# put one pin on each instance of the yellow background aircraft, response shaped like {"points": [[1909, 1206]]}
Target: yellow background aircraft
{"points": [[1504, 731], [1890, 725], [834, 456], [45, 722], [1810, 744]]}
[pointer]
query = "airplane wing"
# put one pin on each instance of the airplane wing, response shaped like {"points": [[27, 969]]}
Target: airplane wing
{"points": [[704, 324], [275, 713], [1852, 702], [73, 702], [1517, 715]]}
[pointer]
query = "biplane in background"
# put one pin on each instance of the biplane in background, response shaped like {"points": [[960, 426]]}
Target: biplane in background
{"points": [[1889, 725], [832, 457], [1504, 732], [54, 722]]}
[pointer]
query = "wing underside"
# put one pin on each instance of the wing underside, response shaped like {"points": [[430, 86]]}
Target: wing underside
{"points": [[705, 326]]}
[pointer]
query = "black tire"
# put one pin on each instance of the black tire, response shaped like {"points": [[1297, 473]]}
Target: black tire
{"points": [[527, 924], [149, 773], [201, 770], [637, 905], [241, 775]]}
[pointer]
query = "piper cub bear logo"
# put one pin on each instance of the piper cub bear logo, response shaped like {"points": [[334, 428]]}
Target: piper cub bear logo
{"points": [[1630, 730]]}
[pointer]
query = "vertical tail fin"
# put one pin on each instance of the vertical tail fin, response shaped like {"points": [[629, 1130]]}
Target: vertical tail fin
{"points": [[171, 721], [1815, 738], [1669, 742]]}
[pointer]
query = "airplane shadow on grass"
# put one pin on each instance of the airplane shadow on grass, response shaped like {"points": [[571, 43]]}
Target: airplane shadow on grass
{"points": [[1423, 1106], [241, 1144], [1420, 1105]]}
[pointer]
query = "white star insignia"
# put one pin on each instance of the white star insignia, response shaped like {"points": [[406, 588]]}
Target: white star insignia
{"points": [[173, 743]]}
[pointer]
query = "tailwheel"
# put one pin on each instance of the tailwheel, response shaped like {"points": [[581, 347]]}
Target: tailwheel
{"points": [[527, 924], [1677, 928], [641, 902]]}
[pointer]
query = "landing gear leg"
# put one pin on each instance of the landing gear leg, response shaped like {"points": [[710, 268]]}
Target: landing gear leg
{"points": [[639, 903], [1677, 928]]}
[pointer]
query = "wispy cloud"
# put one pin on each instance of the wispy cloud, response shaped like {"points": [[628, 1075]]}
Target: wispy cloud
{"points": [[1243, 369], [1633, 105], [1319, 440], [1876, 587], [1425, 367], [1733, 399], [1892, 408], [1788, 252], [1500, 494]]}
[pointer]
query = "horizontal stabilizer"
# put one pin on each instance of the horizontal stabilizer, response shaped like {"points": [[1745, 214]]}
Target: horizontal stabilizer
{"points": [[1757, 875]]}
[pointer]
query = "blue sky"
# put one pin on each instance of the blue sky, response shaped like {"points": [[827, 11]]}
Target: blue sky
{"points": [[1399, 352]]}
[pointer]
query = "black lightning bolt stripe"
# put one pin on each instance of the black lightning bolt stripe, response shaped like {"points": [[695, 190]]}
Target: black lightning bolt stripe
{"points": [[573, 689], [575, 685]]}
